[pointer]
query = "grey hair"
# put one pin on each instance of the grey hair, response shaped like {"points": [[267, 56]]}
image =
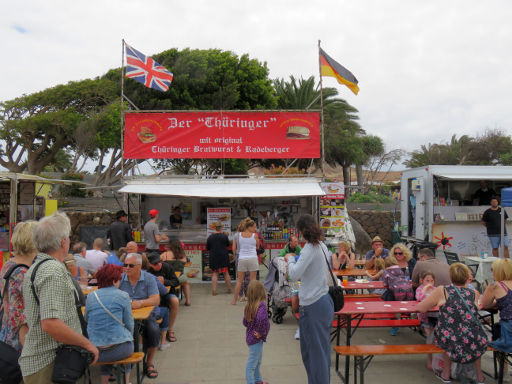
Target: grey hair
{"points": [[49, 232], [138, 257]]}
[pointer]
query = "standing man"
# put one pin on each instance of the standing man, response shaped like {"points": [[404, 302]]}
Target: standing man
{"points": [[53, 320], [176, 220], [376, 251], [119, 232], [484, 194], [491, 219], [96, 256], [143, 292], [152, 234], [427, 262]]}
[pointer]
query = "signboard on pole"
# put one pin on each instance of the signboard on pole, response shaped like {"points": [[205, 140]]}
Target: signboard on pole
{"points": [[221, 134]]}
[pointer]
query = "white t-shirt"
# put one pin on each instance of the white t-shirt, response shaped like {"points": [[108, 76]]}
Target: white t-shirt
{"points": [[96, 258]]}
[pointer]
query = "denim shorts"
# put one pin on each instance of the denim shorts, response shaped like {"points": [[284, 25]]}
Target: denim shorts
{"points": [[496, 241]]}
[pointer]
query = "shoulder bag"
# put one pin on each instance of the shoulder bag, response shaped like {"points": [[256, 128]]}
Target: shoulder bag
{"points": [[10, 371], [71, 361], [335, 291]]}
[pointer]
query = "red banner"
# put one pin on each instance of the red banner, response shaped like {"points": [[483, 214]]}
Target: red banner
{"points": [[217, 135]]}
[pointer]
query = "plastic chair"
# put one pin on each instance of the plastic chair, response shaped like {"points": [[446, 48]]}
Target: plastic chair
{"points": [[452, 257]]}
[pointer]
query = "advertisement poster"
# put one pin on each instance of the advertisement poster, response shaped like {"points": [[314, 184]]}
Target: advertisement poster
{"points": [[332, 208], [194, 270], [218, 214], [221, 134]]}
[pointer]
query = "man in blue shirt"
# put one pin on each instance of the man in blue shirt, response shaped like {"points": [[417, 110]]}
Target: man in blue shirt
{"points": [[377, 250], [143, 291]]}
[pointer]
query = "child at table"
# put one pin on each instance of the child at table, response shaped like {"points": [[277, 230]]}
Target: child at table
{"points": [[427, 285], [380, 266], [257, 324]]}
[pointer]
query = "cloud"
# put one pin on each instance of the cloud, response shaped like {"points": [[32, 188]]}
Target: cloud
{"points": [[426, 70]]}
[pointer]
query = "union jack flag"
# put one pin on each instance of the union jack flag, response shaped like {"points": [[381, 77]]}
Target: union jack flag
{"points": [[147, 71]]}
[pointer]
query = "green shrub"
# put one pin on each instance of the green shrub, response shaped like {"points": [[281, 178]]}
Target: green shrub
{"points": [[370, 197]]}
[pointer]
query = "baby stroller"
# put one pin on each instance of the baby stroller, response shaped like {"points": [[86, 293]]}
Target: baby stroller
{"points": [[278, 288]]}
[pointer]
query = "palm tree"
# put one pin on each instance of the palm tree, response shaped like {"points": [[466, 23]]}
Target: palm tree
{"points": [[342, 131]]}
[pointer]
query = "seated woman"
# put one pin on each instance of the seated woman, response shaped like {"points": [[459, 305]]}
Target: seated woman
{"points": [[458, 329], [175, 255], [404, 257], [499, 295], [77, 273], [109, 319], [344, 258]]}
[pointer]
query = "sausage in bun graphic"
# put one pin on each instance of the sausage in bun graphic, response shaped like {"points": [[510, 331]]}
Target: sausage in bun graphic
{"points": [[146, 135], [297, 133]]}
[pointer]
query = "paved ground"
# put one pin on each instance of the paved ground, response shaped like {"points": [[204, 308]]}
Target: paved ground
{"points": [[211, 349]]}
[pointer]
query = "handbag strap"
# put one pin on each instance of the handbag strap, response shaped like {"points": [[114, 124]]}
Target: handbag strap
{"points": [[334, 280], [467, 307], [106, 309]]}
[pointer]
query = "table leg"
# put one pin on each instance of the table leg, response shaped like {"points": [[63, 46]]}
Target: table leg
{"points": [[347, 358]]}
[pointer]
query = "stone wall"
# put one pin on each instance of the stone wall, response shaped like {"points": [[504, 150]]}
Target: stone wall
{"points": [[375, 223]]}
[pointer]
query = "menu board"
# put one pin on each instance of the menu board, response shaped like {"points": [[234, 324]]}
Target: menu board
{"points": [[194, 269], [214, 215], [332, 208]]}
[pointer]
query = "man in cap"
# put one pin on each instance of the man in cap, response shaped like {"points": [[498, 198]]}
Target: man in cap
{"points": [[119, 232], [165, 273], [152, 235], [377, 250]]}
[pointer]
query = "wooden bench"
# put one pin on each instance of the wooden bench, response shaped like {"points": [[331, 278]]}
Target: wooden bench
{"points": [[376, 322], [363, 354], [134, 358]]}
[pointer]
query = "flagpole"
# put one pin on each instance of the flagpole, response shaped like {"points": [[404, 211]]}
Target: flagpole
{"points": [[125, 197], [322, 159], [122, 111]]}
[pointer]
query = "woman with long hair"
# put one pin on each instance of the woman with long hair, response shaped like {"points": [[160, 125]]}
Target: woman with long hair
{"points": [[404, 258], [316, 306], [175, 255], [247, 255]]}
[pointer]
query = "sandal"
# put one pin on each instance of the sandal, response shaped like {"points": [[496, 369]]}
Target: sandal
{"points": [[171, 337], [151, 372]]}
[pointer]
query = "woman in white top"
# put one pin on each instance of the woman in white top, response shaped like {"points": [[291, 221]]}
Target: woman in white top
{"points": [[247, 244], [316, 306]]}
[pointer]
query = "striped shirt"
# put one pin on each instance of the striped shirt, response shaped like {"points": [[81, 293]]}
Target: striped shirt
{"points": [[55, 290]]}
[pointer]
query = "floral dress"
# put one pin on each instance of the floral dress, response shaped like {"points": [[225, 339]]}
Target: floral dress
{"points": [[13, 307], [457, 332]]}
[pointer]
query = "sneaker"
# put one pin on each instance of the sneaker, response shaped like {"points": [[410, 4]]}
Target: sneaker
{"points": [[163, 347], [438, 375], [394, 331], [297, 334]]}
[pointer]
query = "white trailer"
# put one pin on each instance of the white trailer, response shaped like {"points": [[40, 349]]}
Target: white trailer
{"points": [[438, 204]]}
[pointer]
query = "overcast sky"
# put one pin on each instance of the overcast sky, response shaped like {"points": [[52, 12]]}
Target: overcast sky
{"points": [[426, 69]]}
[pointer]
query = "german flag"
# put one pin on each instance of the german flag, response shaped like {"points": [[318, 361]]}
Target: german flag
{"points": [[330, 67]]}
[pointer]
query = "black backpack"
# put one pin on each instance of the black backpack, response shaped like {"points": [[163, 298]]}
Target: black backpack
{"points": [[10, 372]]}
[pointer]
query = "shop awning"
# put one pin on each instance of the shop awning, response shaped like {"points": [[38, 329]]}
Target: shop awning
{"points": [[250, 187], [474, 173]]}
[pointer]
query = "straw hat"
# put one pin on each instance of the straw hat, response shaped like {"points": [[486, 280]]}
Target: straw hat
{"points": [[377, 239]]}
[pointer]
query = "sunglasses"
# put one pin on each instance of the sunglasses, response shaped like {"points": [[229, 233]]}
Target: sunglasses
{"points": [[130, 265], [398, 253]]}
